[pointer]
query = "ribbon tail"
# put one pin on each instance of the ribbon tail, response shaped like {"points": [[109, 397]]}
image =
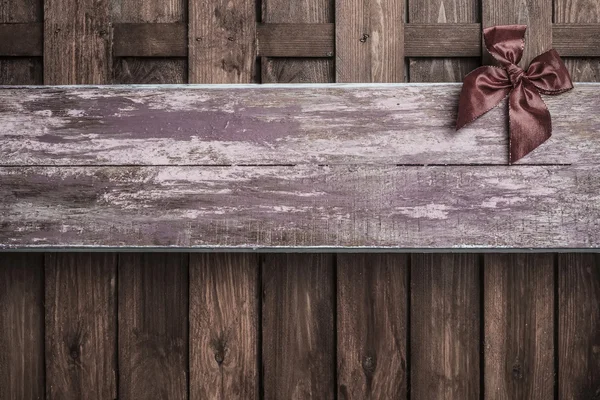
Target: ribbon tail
{"points": [[530, 123], [482, 90]]}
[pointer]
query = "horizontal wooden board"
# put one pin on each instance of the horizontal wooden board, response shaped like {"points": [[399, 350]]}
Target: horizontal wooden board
{"points": [[301, 40], [303, 206], [295, 40], [276, 124], [150, 40]]}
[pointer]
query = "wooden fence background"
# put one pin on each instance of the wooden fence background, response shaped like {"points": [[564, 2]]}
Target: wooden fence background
{"points": [[292, 326]]}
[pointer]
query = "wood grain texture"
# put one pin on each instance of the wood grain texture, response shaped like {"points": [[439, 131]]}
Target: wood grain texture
{"points": [[81, 326], [445, 315], [369, 41], [149, 28], [20, 70], [442, 40], [578, 326], [21, 39], [298, 350], [153, 326], [276, 124], [536, 14], [299, 70], [222, 41], [576, 40], [22, 322], [371, 326], [519, 326], [399, 207], [150, 40], [224, 323], [77, 42], [581, 12], [295, 40], [443, 13]]}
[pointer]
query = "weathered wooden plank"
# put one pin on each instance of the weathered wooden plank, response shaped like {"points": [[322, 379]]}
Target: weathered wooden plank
{"points": [[443, 13], [369, 41], [300, 70], [295, 40], [81, 326], [77, 42], [276, 124], [298, 351], [224, 322], [536, 14], [445, 312], [153, 326], [21, 70], [398, 207], [22, 322], [581, 12], [150, 40], [519, 326], [578, 326], [371, 326], [577, 40], [442, 40], [148, 29], [221, 41], [24, 39]]}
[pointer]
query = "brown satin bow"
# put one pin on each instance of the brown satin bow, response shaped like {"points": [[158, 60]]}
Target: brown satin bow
{"points": [[483, 88]]}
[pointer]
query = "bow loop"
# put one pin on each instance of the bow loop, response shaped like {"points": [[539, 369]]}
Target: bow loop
{"points": [[505, 43], [485, 87]]}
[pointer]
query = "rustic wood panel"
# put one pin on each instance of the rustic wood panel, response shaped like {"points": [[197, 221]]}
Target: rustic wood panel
{"points": [[222, 41], [519, 326], [536, 14], [21, 39], [150, 27], [400, 207], [443, 12], [20, 70], [581, 12], [22, 322], [276, 124], [77, 42], [224, 324], [81, 326], [372, 326], [445, 334], [577, 40], [442, 40], [298, 351], [369, 41], [299, 70], [150, 40], [290, 40], [578, 326], [153, 326]]}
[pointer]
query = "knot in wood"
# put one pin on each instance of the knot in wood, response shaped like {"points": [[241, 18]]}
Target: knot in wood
{"points": [[369, 363], [517, 371], [364, 38]]}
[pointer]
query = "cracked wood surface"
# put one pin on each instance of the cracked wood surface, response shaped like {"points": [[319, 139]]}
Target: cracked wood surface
{"points": [[276, 124]]}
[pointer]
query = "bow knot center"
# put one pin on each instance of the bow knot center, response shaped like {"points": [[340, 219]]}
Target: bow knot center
{"points": [[515, 74]]}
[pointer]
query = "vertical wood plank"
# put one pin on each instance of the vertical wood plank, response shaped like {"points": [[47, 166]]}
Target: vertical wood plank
{"points": [[80, 326], [224, 310], [371, 326], [298, 328], [445, 334], [132, 70], [369, 41], [222, 41], [441, 12], [578, 326], [298, 70], [519, 326], [153, 326], [536, 14], [580, 12], [22, 326], [77, 42]]}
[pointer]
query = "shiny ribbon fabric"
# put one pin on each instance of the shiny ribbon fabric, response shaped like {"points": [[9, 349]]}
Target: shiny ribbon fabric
{"points": [[485, 87]]}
